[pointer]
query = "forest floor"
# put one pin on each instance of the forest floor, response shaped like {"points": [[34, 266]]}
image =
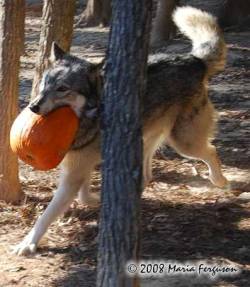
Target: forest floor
{"points": [[184, 217]]}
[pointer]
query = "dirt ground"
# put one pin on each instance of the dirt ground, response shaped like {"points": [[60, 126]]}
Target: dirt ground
{"points": [[184, 217]]}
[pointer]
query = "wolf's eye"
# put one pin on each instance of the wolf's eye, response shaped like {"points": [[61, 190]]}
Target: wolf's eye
{"points": [[62, 89]]}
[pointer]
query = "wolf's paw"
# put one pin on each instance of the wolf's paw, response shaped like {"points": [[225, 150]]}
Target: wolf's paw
{"points": [[220, 182], [91, 199], [25, 247]]}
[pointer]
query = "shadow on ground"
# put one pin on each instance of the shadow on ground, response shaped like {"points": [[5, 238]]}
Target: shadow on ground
{"points": [[172, 231]]}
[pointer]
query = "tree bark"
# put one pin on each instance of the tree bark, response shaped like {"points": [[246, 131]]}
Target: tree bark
{"points": [[97, 12], [124, 79], [234, 12], [57, 19], [163, 25], [11, 39]]}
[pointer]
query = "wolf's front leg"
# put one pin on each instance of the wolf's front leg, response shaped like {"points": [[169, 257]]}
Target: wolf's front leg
{"points": [[85, 197], [68, 188]]}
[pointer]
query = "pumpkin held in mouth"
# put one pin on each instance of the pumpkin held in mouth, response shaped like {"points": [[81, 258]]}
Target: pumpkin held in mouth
{"points": [[43, 141]]}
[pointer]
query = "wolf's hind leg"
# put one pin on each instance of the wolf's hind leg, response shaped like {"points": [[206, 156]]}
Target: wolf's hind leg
{"points": [[190, 138], [147, 168], [210, 157], [207, 153], [149, 150], [155, 132]]}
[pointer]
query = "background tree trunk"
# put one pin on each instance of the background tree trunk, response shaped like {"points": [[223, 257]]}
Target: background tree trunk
{"points": [[122, 141], [97, 12], [234, 12], [57, 18], [163, 26], [11, 43]]}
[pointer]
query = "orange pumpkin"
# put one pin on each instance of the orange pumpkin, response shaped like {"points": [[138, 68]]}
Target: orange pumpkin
{"points": [[43, 141]]}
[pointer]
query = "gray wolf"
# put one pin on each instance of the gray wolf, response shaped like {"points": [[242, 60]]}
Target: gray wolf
{"points": [[176, 111]]}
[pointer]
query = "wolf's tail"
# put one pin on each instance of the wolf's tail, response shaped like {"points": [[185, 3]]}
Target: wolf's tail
{"points": [[207, 40]]}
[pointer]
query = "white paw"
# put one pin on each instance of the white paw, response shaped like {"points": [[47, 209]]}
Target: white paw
{"points": [[25, 247], [91, 199]]}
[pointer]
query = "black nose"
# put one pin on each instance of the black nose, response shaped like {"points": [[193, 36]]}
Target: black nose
{"points": [[34, 108]]}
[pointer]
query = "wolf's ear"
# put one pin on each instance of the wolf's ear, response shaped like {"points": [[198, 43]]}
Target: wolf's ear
{"points": [[56, 53]]}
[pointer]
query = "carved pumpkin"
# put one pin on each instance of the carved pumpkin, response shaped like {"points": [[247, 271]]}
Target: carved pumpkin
{"points": [[43, 141]]}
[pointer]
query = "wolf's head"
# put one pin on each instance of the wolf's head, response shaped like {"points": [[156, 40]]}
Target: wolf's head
{"points": [[69, 81]]}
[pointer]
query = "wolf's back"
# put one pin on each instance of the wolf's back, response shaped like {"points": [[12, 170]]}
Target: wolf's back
{"points": [[207, 40]]}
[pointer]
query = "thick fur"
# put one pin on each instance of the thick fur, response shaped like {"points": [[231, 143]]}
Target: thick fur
{"points": [[176, 110], [202, 29]]}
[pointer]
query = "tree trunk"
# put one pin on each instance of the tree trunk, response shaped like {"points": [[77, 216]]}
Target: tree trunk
{"points": [[97, 12], [57, 19], [122, 141], [11, 39], [234, 12], [163, 25]]}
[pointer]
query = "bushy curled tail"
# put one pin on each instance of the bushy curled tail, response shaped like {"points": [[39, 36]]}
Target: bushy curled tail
{"points": [[207, 40]]}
